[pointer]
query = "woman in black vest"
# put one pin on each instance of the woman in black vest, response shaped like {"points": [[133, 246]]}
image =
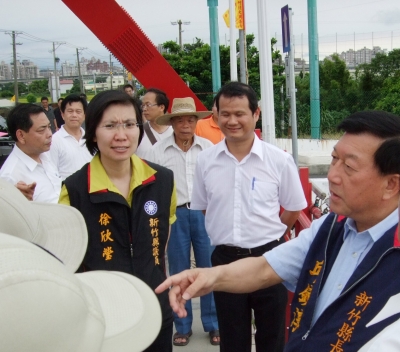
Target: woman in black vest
{"points": [[128, 203]]}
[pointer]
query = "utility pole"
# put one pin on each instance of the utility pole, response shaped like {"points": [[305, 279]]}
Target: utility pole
{"points": [[180, 23], [55, 67], [82, 88], [14, 44]]}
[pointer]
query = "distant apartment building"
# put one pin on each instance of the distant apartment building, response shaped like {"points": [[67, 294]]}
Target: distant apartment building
{"points": [[117, 81], [362, 56], [68, 69], [96, 66], [25, 70], [71, 70], [5, 71]]}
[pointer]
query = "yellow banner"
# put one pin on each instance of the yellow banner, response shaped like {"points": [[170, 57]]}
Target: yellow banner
{"points": [[225, 16], [239, 14]]}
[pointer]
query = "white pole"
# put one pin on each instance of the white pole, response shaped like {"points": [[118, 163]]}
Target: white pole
{"points": [[293, 112], [267, 90], [232, 34]]}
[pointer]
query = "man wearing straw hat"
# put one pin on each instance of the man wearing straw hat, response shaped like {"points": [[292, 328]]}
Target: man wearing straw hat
{"points": [[179, 153]]}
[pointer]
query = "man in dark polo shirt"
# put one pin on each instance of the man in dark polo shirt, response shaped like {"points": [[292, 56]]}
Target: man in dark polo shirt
{"points": [[48, 110], [57, 114]]}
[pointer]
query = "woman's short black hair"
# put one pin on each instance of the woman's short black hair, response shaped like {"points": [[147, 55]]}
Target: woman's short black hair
{"points": [[96, 108]]}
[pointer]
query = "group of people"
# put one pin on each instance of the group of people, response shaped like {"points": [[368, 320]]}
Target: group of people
{"points": [[151, 183]]}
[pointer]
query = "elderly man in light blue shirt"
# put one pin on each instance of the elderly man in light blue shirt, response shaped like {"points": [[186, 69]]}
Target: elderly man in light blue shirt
{"points": [[345, 271]]}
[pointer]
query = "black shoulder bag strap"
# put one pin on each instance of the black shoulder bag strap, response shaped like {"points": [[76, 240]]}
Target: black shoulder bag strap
{"points": [[149, 133]]}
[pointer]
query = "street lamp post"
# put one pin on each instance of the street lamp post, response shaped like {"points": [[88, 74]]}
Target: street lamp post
{"points": [[180, 23]]}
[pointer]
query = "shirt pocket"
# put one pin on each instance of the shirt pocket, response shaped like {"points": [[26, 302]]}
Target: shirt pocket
{"points": [[263, 197]]}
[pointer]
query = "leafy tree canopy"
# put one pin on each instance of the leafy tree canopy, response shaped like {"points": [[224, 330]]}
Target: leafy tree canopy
{"points": [[39, 86]]}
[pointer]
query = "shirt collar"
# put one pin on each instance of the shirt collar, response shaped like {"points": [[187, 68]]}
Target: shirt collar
{"points": [[26, 159], [377, 231], [63, 132], [99, 180], [255, 149], [170, 142]]}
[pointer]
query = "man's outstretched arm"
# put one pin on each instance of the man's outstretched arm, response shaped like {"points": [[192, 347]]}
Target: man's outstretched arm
{"points": [[245, 275]]}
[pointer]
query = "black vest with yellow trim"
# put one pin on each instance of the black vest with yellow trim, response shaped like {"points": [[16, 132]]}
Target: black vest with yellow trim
{"points": [[342, 326], [125, 238]]}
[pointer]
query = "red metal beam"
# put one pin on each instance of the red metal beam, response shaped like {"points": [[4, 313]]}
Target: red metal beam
{"points": [[122, 36]]}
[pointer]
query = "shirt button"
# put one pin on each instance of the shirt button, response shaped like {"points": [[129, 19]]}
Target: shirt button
{"points": [[339, 287], [355, 255]]}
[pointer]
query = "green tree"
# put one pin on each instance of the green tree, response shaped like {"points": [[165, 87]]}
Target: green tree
{"points": [[390, 96], [76, 87], [101, 79], [382, 66], [6, 94], [193, 64], [39, 87], [333, 73], [22, 87], [378, 82], [31, 98], [334, 80]]}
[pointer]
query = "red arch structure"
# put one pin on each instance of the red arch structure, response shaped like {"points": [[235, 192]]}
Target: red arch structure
{"points": [[122, 36]]}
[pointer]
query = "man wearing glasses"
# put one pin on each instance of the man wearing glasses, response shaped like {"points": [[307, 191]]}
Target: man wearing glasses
{"points": [[154, 104]]}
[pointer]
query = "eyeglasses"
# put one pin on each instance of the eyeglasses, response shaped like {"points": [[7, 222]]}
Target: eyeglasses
{"points": [[126, 125], [147, 106]]}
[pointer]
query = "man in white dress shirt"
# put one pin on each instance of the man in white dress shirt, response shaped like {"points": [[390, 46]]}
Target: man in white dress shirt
{"points": [[179, 153], [68, 149], [155, 103], [241, 183], [28, 166]]}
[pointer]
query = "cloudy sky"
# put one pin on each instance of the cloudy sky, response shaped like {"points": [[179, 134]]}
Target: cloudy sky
{"points": [[342, 24]]}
